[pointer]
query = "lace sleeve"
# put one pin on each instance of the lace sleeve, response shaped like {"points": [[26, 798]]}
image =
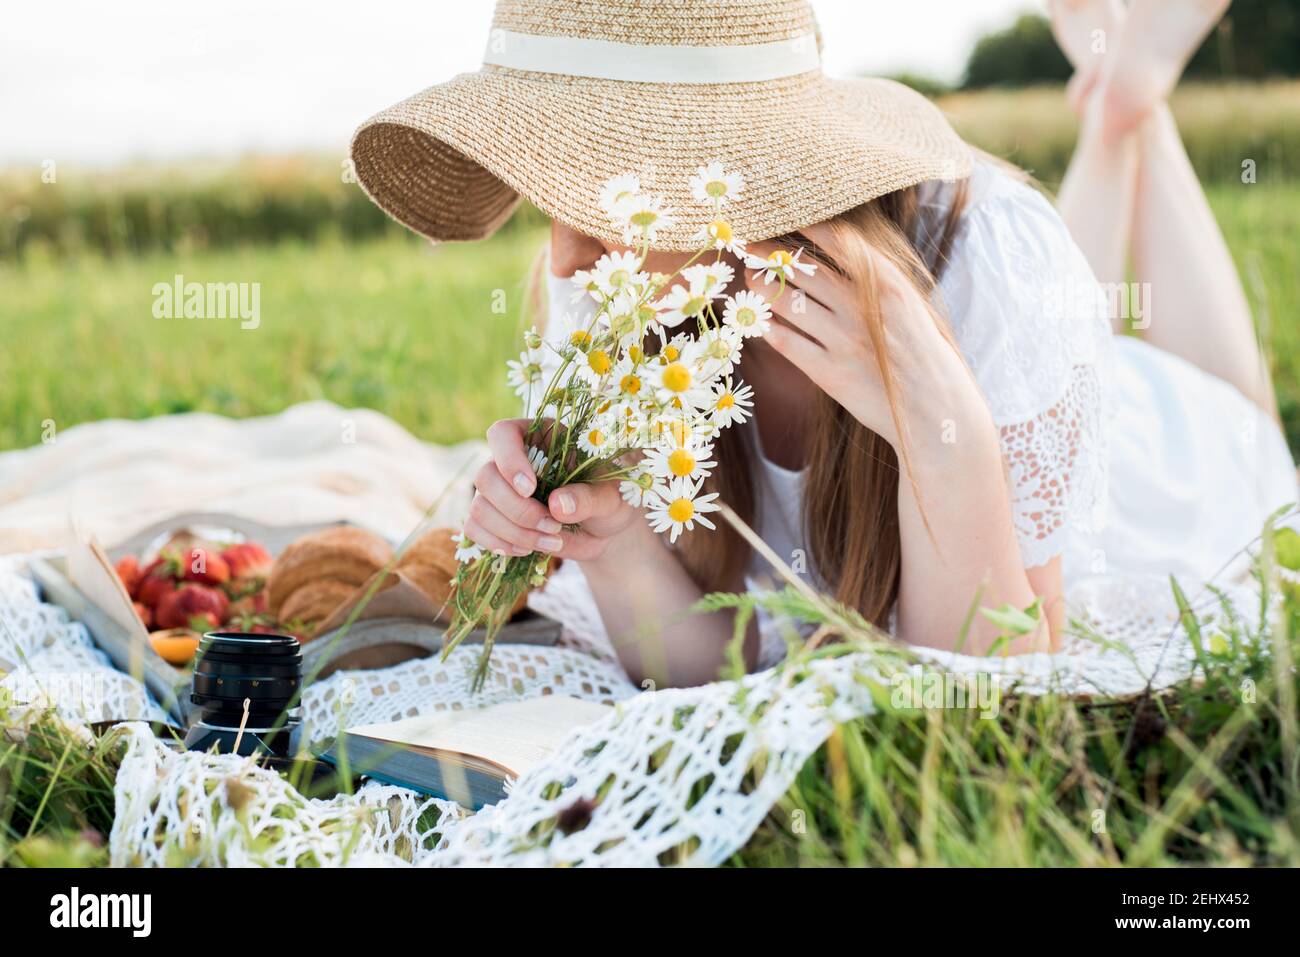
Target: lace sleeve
{"points": [[1032, 322], [1056, 468]]}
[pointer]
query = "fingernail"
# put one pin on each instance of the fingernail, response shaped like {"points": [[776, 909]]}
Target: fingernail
{"points": [[549, 525], [523, 483], [566, 503], [549, 543]]}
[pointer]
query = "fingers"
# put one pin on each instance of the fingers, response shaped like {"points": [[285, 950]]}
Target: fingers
{"points": [[809, 316], [806, 354], [525, 512], [585, 502], [491, 529], [505, 439]]}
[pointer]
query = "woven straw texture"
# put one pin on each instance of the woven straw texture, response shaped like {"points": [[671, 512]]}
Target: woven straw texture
{"points": [[660, 22], [452, 161]]}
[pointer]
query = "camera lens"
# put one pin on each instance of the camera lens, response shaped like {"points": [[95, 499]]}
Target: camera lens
{"points": [[265, 670]]}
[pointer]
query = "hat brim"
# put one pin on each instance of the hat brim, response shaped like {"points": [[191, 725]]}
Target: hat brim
{"points": [[452, 161]]}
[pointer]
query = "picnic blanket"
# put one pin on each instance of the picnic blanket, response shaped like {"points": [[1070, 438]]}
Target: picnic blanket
{"points": [[600, 800]]}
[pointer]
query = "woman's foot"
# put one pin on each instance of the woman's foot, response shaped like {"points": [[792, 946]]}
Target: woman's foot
{"points": [[1157, 40], [1085, 30]]}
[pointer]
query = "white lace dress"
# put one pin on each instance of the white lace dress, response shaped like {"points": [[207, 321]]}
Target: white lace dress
{"points": [[1122, 459]]}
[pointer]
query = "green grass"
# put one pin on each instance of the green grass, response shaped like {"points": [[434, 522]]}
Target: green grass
{"points": [[392, 324]]}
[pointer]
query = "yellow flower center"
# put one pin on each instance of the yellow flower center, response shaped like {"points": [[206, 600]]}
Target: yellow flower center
{"points": [[681, 462], [581, 339], [681, 510], [721, 229], [726, 401], [780, 258], [694, 306], [719, 349], [746, 317], [596, 437], [716, 188], [630, 384], [619, 277], [599, 362], [635, 354], [644, 219], [677, 378], [671, 353]]}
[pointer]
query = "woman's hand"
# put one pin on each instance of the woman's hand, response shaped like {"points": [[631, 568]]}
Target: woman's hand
{"points": [[505, 519], [822, 331]]}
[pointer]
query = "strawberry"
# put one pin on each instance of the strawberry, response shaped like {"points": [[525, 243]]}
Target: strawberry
{"points": [[128, 569], [145, 613], [248, 561], [153, 589], [249, 606], [205, 566], [191, 600]]}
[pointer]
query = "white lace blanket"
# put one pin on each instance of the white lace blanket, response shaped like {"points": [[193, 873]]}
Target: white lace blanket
{"points": [[667, 766]]}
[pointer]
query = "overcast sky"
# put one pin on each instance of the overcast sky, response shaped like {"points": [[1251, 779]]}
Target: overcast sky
{"points": [[92, 81]]}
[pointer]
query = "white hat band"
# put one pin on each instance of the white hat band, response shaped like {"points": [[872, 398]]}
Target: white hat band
{"points": [[635, 63]]}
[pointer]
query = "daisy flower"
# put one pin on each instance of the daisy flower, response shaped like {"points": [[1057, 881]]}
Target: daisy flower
{"points": [[585, 282], [595, 441], [615, 272], [748, 313], [466, 550], [678, 506], [679, 383], [715, 276], [645, 217], [691, 460], [688, 302], [712, 184], [719, 235], [636, 487], [618, 195], [719, 350], [598, 364], [780, 263], [525, 374], [627, 378], [731, 405], [537, 459]]}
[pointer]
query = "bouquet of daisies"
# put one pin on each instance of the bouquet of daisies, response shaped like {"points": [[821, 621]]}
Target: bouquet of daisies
{"points": [[638, 394]]}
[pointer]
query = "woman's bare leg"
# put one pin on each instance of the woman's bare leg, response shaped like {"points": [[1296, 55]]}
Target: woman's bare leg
{"points": [[1197, 308], [1097, 194]]}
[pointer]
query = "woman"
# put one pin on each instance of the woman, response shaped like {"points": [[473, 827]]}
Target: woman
{"points": [[933, 408]]}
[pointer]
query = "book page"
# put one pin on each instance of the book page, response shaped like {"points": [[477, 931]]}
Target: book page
{"points": [[516, 735], [93, 574]]}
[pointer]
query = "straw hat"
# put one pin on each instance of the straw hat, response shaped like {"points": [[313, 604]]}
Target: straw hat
{"points": [[574, 92]]}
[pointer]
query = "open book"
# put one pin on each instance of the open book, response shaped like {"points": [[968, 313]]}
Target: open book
{"points": [[463, 756]]}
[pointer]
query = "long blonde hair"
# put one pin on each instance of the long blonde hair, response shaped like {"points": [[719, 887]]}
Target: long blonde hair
{"points": [[850, 503]]}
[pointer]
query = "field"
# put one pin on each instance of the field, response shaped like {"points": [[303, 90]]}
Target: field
{"points": [[390, 323], [355, 311]]}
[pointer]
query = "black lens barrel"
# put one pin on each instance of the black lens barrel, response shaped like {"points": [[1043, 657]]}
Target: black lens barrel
{"points": [[233, 666]]}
